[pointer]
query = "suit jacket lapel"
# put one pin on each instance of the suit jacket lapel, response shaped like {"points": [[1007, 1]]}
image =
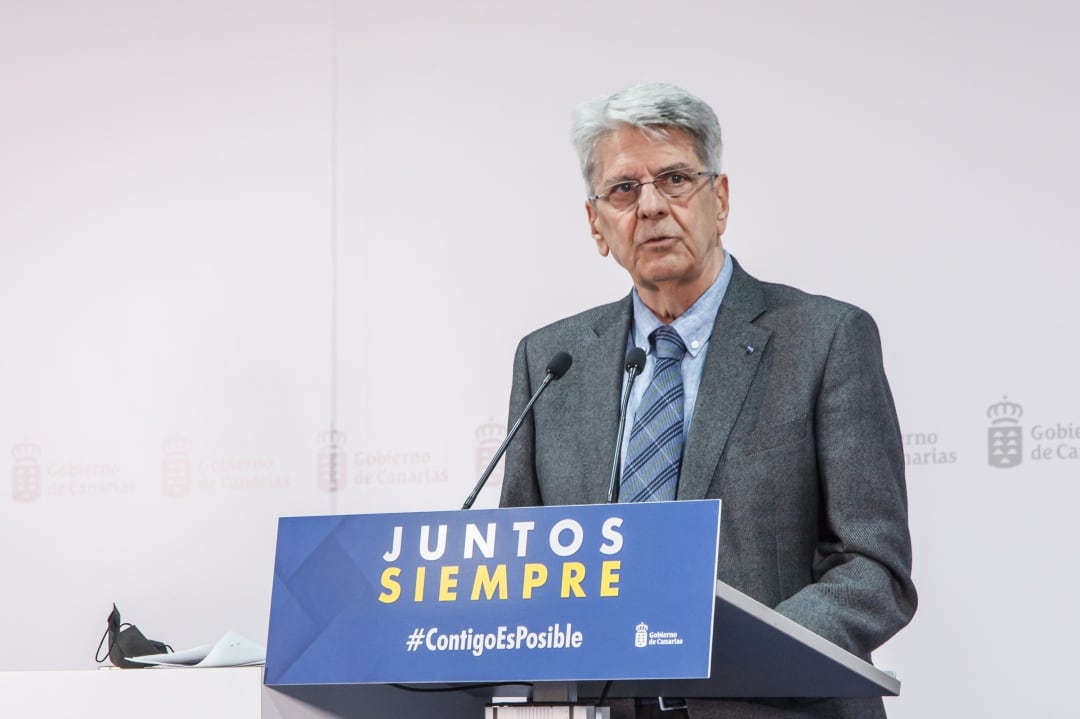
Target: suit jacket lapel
{"points": [[734, 353], [603, 359]]}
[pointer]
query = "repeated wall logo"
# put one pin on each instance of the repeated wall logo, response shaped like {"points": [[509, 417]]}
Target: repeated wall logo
{"points": [[176, 475], [336, 470], [26, 472], [34, 476], [1046, 440], [332, 461], [396, 468], [921, 448], [183, 471], [1005, 435], [488, 438]]}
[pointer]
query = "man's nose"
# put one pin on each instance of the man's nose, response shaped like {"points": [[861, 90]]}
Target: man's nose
{"points": [[651, 202]]}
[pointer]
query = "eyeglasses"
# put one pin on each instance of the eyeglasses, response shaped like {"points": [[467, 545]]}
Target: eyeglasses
{"points": [[672, 184]]}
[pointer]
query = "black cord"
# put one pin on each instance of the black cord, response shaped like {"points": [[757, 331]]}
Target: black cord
{"points": [[97, 655]]}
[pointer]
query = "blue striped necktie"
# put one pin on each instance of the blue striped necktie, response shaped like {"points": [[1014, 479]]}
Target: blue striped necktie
{"points": [[653, 458]]}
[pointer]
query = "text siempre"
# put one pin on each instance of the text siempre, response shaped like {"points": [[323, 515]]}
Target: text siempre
{"points": [[571, 574]]}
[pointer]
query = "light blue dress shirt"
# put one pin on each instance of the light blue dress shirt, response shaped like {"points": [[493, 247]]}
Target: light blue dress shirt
{"points": [[695, 328]]}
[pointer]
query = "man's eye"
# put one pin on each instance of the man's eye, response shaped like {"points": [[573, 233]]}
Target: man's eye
{"points": [[677, 178], [623, 188]]}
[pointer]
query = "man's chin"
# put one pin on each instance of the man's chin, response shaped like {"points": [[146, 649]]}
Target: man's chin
{"points": [[666, 270]]}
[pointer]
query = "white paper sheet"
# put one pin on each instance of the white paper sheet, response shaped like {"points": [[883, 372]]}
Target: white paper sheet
{"points": [[232, 650]]}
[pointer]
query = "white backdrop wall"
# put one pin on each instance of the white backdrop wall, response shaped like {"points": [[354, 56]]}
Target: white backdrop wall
{"points": [[229, 227]]}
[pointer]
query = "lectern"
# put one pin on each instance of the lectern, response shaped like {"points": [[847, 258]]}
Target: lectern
{"points": [[434, 613]]}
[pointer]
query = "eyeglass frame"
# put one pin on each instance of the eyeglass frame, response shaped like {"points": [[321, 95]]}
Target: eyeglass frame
{"points": [[638, 184]]}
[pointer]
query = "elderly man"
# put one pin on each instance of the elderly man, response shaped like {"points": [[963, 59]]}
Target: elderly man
{"points": [[773, 400]]}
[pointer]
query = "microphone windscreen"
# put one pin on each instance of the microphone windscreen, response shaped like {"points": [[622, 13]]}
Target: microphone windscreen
{"points": [[635, 359], [559, 364]]}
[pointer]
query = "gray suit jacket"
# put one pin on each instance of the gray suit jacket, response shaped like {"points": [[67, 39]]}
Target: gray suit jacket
{"points": [[795, 430]]}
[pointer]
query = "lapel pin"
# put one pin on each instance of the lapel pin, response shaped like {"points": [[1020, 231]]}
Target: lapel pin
{"points": [[749, 349]]}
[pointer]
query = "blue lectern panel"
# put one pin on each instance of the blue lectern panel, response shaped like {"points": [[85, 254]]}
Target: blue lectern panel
{"points": [[542, 593]]}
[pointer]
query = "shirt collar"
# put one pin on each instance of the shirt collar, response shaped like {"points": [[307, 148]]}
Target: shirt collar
{"points": [[695, 325]]}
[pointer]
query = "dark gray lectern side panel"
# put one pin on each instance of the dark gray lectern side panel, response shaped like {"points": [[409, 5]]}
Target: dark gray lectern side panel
{"points": [[759, 653]]}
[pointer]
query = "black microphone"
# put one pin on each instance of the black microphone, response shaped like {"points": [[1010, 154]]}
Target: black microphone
{"points": [[556, 368], [635, 361]]}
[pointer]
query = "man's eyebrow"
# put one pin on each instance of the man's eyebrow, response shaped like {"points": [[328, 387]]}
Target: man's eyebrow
{"points": [[674, 166], [616, 179]]}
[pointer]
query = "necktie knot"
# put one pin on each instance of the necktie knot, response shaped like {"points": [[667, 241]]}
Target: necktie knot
{"points": [[668, 344]]}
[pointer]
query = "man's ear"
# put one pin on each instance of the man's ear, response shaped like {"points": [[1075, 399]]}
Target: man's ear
{"points": [[598, 236], [721, 190]]}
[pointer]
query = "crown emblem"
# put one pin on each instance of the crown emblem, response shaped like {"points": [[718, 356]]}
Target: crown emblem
{"points": [[26, 452], [489, 433], [643, 627], [176, 445], [331, 439], [1004, 411]]}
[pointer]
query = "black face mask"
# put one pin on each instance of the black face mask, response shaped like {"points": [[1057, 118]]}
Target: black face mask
{"points": [[125, 640]]}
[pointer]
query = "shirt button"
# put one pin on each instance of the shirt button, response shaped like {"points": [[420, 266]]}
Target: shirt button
{"points": [[694, 344]]}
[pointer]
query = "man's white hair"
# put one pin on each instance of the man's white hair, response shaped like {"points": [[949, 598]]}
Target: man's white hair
{"points": [[653, 108]]}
